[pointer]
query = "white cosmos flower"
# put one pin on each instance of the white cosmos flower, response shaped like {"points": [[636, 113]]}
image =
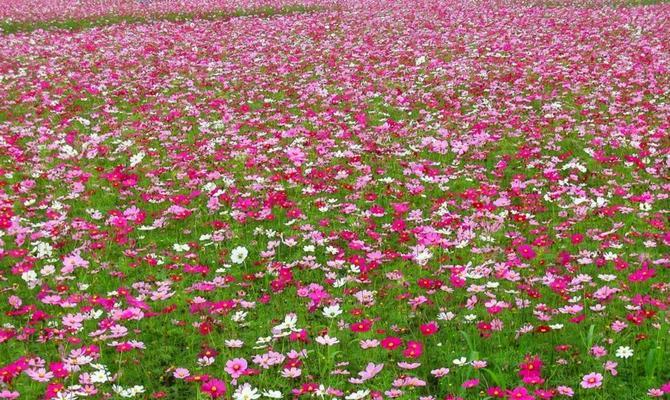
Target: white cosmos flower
{"points": [[460, 361], [181, 247], [239, 316], [624, 352], [239, 254], [273, 394], [446, 316], [135, 390], [246, 392], [358, 395], [332, 311], [205, 361], [65, 395], [137, 158], [99, 376], [120, 391]]}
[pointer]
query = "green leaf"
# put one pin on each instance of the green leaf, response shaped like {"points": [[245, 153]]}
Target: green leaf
{"points": [[495, 377], [650, 363]]}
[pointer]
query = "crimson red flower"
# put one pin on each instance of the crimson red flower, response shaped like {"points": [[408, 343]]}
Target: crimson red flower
{"points": [[361, 326]]}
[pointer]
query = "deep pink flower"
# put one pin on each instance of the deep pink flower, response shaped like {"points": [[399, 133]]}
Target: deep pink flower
{"points": [[429, 328], [215, 388], [391, 342], [519, 393], [526, 251]]}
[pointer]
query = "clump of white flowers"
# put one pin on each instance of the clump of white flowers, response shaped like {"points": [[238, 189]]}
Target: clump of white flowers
{"points": [[128, 392]]}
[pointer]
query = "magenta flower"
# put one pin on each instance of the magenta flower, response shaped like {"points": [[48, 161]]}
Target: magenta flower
{"points": [[526, 251], [429, 328], [215, 388], [391, 342], [519, 393]]}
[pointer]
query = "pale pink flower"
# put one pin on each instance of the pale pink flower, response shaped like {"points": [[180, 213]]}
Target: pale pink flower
{"points": [[592, 380]]}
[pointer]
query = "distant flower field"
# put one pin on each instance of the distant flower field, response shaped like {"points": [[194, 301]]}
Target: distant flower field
{"points": [[44, 10], [375, 199]]}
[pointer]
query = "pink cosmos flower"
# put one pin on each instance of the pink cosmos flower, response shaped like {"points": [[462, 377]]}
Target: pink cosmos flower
{"points": [[610, 366], [470, 383], [565, 391], [236, 367], [9, 395], [406, 365], [592, 380], [369, 343], [598, 351], [39, 374], [181, 373], [296, 155], [440, 372], [371, 370]]}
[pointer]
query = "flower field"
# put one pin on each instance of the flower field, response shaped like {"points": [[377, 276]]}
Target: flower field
{"points": [[373, 199]]}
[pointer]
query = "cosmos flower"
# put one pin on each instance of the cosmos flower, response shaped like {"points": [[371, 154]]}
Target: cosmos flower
{"points": [[592, 380], [181, 373], [332, 311], [624, 352], [429, 328], [526, 251], [239, 254], [391, 343], [215, 388], [236, 367], [327, 340], [246, 392]]}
